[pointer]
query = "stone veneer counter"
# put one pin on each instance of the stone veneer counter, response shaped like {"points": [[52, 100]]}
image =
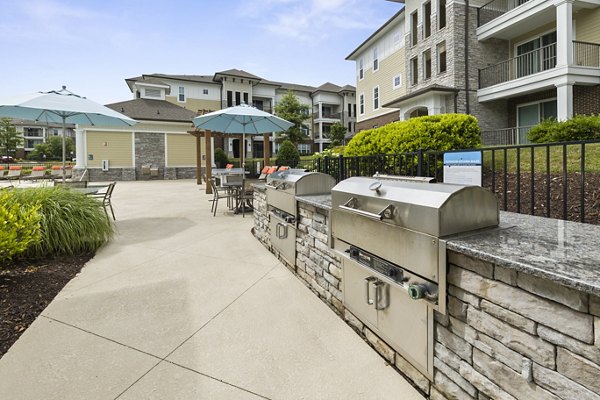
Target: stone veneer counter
{"points": [[564, 252]]}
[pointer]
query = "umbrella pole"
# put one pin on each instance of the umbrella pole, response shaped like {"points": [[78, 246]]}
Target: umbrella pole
{"points": [[63, 149]]}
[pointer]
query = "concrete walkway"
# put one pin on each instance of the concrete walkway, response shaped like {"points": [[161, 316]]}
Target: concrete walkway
{"points": [[184, 305]]}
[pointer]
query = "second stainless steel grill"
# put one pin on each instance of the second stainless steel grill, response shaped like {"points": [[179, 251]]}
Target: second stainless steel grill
{"points": [[390, 232], [282, 189]]}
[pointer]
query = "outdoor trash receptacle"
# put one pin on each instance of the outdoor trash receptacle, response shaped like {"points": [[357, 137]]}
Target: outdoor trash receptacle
{"points": [[146, 169], [154, 171]]}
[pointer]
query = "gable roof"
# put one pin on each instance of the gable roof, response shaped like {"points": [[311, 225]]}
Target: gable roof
{"points": [[382, 28], [239, 73], [329, 87], [153, 110]]}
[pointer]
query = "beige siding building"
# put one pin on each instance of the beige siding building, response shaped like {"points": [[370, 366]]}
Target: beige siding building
{"points": [[380, 74]]}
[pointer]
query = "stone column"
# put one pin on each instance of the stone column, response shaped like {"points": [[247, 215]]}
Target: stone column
{"points": [[564, 100], [564, 32], [80, 152]]}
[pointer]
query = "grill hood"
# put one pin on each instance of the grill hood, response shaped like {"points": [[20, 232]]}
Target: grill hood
{"points": [[436, 209]]}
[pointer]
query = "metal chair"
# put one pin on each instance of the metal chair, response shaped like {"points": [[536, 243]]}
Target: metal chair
{"points": [[105, 199], [218, 193]]}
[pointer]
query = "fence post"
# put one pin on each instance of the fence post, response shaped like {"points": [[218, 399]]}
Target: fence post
{"points": [[419, 162], [342, 167]]}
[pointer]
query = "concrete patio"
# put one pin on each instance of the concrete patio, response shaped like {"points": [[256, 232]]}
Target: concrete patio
{"points": [[184, 305]]}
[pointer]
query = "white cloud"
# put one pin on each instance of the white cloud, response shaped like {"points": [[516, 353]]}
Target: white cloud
{"points": [[306, 20]]}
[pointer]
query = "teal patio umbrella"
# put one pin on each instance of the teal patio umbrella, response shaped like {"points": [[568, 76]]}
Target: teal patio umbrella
{"points": [[64, 107], [244, 120]]}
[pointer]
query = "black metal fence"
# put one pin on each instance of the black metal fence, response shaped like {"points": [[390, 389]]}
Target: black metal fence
{"points": [[557, 180]]}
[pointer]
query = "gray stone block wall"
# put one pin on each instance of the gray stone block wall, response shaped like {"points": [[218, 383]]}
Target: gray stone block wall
{"points": [[113, 174], [149, 150], [506, 335]]}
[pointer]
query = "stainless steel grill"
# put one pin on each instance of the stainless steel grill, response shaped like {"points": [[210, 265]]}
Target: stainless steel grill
{"points": [[282, 189], [391, 233]]}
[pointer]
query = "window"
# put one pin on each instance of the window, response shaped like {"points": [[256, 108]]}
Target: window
{"points": [[349, 110], [441, 14], [181, 93], [427, 64], [375, 59], [427, 19], [155, 93], [414, 71], [414, 19], [361, 73], [304, 148], [376, 98], [397, 81], [229, 98], [238, 98], [245, 97], [354, 107], [349, 126], [362, 103], [204, 91], [441, 55]]}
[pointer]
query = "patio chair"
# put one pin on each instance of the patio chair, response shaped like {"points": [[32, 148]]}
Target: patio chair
{"points": [[219, 193], [263, 173], [283, 168], [228, 166], [105, 199], [36, 173], [56, 172], [2, 170], [246, 197], [14, 172]]}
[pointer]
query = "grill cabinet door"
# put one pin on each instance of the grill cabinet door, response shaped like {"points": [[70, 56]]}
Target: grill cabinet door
{"points": [[283, 238], [405, 323], [355, 288]]}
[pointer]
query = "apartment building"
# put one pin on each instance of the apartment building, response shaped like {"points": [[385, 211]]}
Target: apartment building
{"points": [[381, 73], [510, 63], [34, 133], [200, 93]]}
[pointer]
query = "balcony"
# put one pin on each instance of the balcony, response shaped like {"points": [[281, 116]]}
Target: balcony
{"points": [[327, 115], [586, 54], [496, 8], [526, 64]]}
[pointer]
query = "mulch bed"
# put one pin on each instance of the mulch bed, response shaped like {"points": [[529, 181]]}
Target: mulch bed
{"points": [[518, 194], [27, 287]]}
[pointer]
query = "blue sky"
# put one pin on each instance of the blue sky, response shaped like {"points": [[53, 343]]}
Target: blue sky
{"points": [[92, 46]]}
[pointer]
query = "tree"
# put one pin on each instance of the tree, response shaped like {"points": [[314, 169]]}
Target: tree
{"points": [[221, 159], [9, 137], [53, 148], [290, 109], [288, 154], [337, 133]]}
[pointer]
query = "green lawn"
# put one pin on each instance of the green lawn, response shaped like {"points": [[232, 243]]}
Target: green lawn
{"points": [[573, 156]]}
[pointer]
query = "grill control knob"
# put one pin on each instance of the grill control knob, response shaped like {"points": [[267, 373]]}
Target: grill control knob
{"points": [[353, 252], [417, 291], [375, 186]]}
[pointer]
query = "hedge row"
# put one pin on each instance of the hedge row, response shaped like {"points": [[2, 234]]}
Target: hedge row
{"points": [[436, 132], [580, 127]]}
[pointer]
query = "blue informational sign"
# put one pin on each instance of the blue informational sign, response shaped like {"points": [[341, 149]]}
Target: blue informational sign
{"points": [[463, 168]]}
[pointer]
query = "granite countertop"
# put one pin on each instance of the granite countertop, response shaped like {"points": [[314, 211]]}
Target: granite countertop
{"points": [[259, 186], [561, 251], [317, 200]]}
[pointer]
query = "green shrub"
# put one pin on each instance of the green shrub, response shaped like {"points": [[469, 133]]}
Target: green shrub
{"points": [[221, 159], [20, 226], [436, 132], [580, 127], [288, 154], [70, 222]]}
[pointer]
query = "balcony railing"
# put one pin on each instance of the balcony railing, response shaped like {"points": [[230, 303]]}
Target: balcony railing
{"points": [[496, 8], [586, 54], [535, 61], [327, 115], [506, 136]]}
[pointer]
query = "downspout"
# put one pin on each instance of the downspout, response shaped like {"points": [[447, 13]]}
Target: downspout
{"points": [[467, 86]]}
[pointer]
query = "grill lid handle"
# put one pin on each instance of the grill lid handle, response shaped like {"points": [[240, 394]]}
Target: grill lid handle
{"points": [[351, 204]]}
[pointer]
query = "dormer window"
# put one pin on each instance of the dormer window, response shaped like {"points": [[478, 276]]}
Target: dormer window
{"points": [[151, 92]]}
